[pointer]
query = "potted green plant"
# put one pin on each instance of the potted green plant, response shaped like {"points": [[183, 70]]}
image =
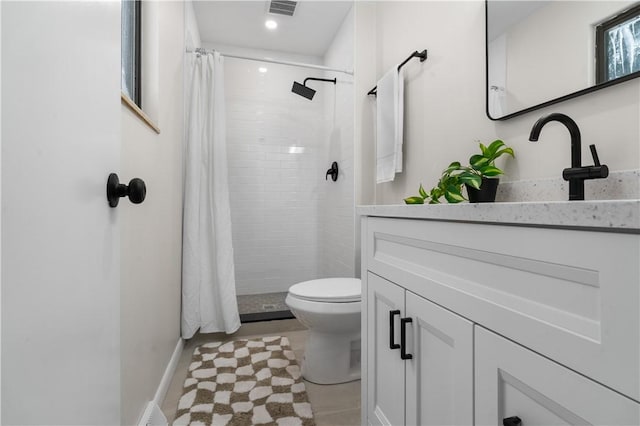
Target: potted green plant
{"points": [[449, 186], [479, 177], [484, 165]]}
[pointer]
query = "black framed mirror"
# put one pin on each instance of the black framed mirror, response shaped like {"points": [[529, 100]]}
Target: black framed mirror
{"points": [[539, 53]]}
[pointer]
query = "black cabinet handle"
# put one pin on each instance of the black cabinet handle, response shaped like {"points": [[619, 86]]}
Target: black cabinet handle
{"points": [[136, 190], [392, 343], [403, 338], [512, 421]]}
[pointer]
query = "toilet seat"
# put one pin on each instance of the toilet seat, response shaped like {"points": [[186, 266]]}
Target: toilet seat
{"points": [[328, 290], [340, 308]]}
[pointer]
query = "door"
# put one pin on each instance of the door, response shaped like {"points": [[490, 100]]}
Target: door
{"points": [[512, 381], [385, 368], [60, 240], [439, 384]]}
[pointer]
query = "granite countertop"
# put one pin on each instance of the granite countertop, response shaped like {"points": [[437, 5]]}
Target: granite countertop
{"points": [[609, 215]]}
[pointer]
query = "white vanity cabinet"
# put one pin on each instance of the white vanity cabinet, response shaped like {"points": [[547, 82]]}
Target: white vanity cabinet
{"points": [[426, 378], [513, 381], [540, 322]]}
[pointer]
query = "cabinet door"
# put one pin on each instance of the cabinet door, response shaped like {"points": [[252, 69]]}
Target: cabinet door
{"points": [[514, 381], [439, 377], [385, 369]]}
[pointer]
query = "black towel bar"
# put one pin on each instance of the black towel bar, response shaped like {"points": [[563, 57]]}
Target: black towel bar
{"points": [[423, 57]]}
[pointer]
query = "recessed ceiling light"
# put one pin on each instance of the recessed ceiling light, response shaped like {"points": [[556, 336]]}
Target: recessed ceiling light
{"points": [[271, 24], [262, 69]]}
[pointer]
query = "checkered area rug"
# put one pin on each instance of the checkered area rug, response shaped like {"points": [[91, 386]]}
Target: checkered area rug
{"points": [[244, 382]]}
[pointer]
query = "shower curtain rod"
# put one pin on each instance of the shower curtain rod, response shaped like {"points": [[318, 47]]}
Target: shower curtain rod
{"points": [[273, 61]]}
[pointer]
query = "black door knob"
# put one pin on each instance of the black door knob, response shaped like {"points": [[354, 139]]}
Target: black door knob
{"points": [[333, 172], [512, 421], [136, 190]]}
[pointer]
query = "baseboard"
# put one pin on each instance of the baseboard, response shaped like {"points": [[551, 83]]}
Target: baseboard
{"points": [[153, 415], [168, 373]]}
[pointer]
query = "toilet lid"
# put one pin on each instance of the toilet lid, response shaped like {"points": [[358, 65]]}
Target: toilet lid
{"points": [[328, 290]]}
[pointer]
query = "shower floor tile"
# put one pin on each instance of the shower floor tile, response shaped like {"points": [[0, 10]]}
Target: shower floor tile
{"points": [[263, 307], [266, 302]]}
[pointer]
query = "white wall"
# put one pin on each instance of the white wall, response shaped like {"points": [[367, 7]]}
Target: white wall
{"points": [[192, 33], [445, 102], [151, 232], [336, 204], [365, 70], [273, 193], [150, 59], [192, 42]]}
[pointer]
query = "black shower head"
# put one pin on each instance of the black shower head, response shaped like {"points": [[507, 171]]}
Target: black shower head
{"points": [[302, 90], [308, 92]]}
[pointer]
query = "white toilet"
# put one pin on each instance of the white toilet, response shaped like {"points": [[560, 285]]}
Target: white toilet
{"points": [[330, 308]]}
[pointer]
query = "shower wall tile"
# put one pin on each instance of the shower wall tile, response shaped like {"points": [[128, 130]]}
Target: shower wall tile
{"points": [[289, 224], [273, 193], [253, 173]]}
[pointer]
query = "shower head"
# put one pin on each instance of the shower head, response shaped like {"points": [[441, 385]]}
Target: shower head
{"points": [[302, 90], [308, 92]]}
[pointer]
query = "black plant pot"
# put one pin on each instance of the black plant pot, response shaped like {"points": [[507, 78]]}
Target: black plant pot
{"points": [[486, 193]]}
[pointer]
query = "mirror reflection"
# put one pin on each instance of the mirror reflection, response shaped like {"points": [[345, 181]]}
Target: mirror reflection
{"points": [[539, 51]]}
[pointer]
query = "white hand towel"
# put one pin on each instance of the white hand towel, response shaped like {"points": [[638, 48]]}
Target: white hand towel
{"points": [[399, 119], [389, 128]]}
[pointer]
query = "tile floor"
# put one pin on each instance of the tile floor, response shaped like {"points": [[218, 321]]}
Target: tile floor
{"points": [[337, 405]]}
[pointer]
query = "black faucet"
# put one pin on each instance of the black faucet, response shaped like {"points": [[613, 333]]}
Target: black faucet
{"points": [[576, 174]]}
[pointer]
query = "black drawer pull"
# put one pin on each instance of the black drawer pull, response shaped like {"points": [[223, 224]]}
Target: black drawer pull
{"points": [[392, 339], [403, 338], [512, 421]]}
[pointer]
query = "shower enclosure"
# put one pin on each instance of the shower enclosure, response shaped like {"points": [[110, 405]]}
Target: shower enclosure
{"points": [[290, 223]]}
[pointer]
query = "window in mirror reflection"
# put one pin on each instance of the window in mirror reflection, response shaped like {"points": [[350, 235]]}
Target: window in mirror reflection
{"points": [[618, 46]]}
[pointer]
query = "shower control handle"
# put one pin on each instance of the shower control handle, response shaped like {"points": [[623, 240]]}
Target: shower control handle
{"points": [[333, 171], [136, 190]]}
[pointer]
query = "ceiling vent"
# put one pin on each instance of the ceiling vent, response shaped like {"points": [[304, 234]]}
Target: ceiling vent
{"points": [[282, 7]]}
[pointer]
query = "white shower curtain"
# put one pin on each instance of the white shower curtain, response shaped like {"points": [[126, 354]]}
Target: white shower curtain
{"points": [[208, 276]]}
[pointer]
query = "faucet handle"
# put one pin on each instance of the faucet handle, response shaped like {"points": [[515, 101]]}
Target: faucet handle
{"points": [[594, 154], [597, 171]]}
